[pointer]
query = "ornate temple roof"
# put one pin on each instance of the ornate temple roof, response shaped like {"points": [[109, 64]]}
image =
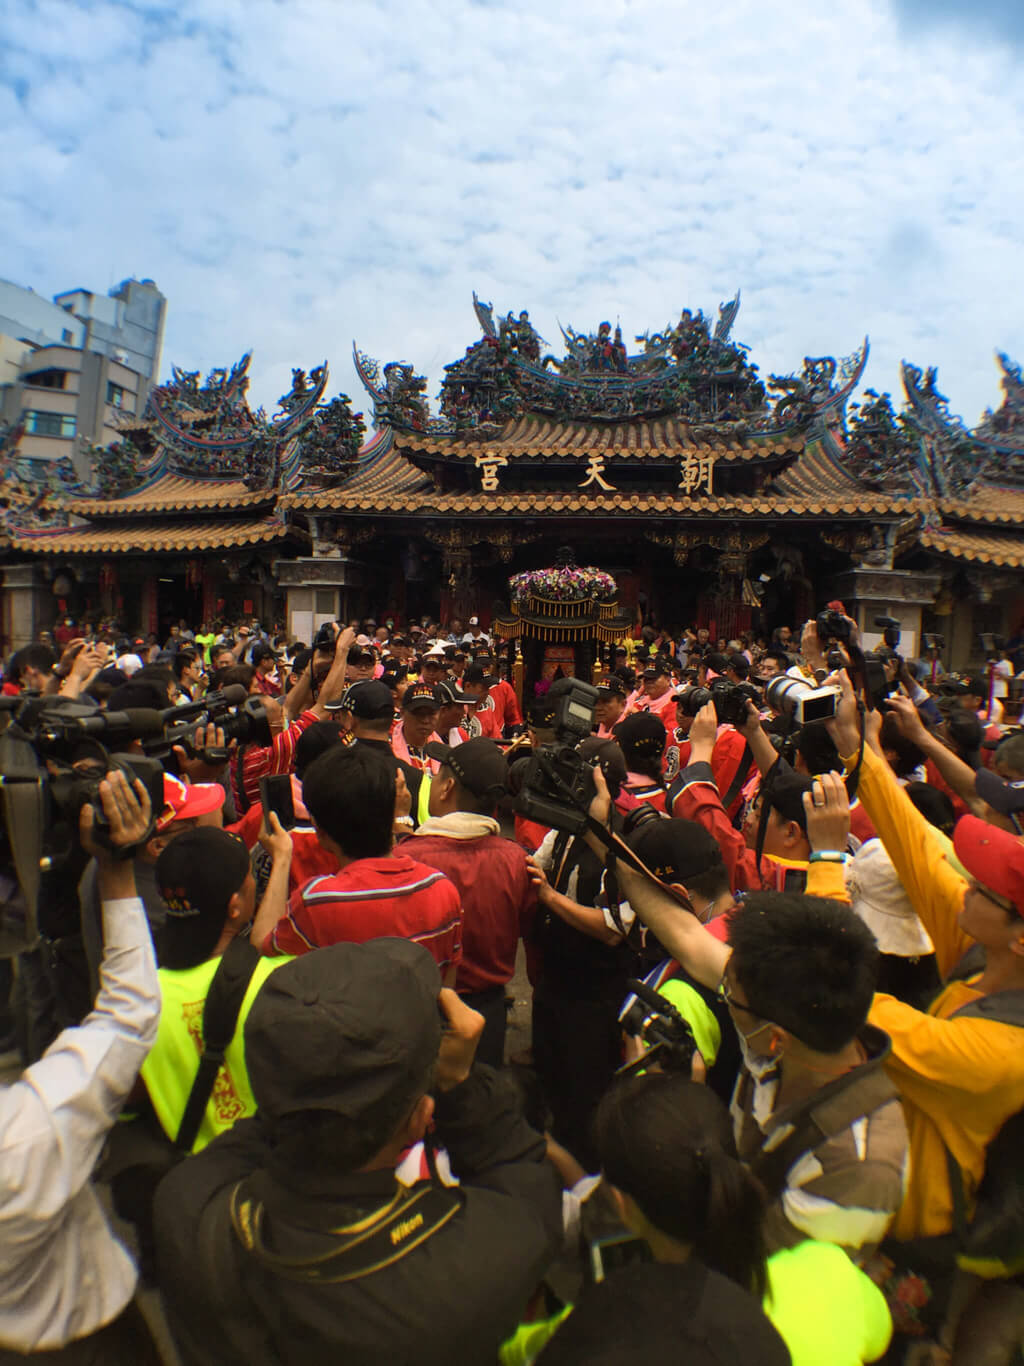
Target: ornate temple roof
{"points": [[682, 427], [150, 536]]}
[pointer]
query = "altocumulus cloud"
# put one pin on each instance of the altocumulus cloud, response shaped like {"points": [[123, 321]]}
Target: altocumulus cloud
{"points": [[296, 175]]}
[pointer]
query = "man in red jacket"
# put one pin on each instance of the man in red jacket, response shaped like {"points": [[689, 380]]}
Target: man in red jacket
{"points": [[461, 838]]}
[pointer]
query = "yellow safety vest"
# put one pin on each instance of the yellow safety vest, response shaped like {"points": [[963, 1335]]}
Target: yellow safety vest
{"points": [[171, 1064]]}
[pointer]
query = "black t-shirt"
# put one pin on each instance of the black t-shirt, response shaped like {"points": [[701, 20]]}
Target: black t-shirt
{"points": [[668, 1313]]}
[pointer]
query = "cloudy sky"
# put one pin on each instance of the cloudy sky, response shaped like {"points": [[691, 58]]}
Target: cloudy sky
{"points": [[298, 173]]}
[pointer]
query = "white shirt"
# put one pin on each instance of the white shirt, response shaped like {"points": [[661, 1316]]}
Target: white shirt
{"points": [[63, 1274]]}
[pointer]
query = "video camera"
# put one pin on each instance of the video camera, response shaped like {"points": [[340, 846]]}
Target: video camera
{"points": [[53, 755], [933, 642], [730, 700], [648, 1016], [555, 785], [54, 752], [241, 716]]}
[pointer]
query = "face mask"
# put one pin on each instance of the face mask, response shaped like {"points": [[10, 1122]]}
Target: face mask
{"points": [[757, 1064]]}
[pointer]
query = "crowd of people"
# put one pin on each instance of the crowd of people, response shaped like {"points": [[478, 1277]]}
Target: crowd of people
{"points": [[772, 1109]]}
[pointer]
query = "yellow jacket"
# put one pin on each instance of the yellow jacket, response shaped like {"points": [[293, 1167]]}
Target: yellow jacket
{"points": [[960, 1079]]}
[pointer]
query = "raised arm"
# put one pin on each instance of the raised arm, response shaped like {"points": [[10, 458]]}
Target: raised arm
{"points": [[935, 889], [334, 683], [57, 1115]]}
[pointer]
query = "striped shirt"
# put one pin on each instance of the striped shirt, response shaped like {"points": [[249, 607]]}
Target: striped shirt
{"points": [[847, 1189], [374, 898], [277, 757]]}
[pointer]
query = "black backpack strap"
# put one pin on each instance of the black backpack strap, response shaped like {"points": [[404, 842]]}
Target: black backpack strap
{"points": [[739, 778], [220, 1018], [241, 800]]}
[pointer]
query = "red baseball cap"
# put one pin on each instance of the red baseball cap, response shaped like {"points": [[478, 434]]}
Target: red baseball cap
{"points": [[184, 801], [993, 856]]}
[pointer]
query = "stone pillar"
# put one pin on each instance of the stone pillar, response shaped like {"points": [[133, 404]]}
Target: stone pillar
{"points": [[27, 604], [319, 590], [867, 593]]}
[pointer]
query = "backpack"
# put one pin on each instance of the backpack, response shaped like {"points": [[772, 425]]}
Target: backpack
{"points": [[992, 1242]]}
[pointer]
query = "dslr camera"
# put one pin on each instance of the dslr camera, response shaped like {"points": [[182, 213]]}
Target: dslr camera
{"points": [[730, 700], [555, 785], [832, 626], [797, 699]]}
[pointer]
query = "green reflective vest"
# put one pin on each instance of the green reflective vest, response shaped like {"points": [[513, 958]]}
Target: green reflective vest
{"points": [[171, 1064]]}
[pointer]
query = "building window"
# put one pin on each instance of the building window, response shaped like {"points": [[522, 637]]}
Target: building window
{"points": [[47, 379], [50, 424], [66, 335], [115, 395]]}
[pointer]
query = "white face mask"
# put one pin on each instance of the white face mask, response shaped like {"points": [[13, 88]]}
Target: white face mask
{"points": [[757, 1064]]}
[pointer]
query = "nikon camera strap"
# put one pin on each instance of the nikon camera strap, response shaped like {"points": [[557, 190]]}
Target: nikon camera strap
{"points": [[414, 1214]]}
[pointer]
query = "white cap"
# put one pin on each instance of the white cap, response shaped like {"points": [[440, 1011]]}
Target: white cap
{"points": [[436, 651], [128, 664], [877, 896], [474, 621]]}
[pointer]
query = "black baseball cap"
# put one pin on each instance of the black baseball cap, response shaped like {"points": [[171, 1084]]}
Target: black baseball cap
{"points": [[658, 668], [421, 696], [478, 764], [345, 1029], [614, 685], [676, 850], [369, 699], [476, 673], [1005, 797], [449, 695], [198, 873], [642, 733]]}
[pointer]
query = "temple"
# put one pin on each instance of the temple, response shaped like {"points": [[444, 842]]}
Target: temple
{"points": [[710, 493]]}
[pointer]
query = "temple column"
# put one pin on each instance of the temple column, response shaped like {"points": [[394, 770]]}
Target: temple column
{"points": [[27, 604], [869, 592]]}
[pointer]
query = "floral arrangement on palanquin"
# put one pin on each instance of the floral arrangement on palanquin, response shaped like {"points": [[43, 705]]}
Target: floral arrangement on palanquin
{"points": [[569, 583]]}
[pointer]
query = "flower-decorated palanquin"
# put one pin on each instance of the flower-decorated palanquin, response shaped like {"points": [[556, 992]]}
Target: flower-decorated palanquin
{"points": [[557, 621]]}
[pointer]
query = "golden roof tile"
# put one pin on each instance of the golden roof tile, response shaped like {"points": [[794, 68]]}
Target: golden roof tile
{"points": [[174, 493], [980, 546], [152, 537]]}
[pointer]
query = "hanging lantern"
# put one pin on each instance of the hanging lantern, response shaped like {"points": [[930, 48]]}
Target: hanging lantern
{"points": [[193, 574], [107, 577]]}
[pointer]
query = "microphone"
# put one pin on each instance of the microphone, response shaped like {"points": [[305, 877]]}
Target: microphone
{"points": [[139, 723]]}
